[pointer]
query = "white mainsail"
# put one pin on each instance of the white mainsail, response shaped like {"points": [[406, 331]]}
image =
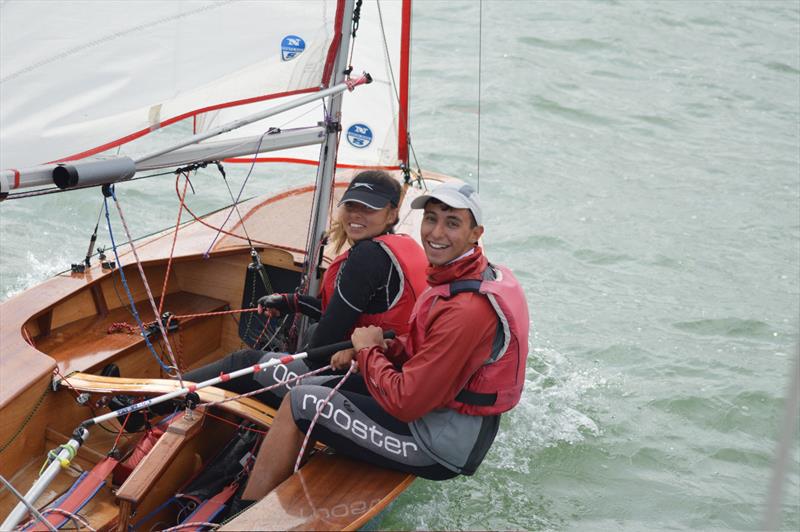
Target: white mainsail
{"points": [[97, 77], [78, 79]]}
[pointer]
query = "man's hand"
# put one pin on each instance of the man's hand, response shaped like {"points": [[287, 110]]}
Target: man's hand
{"points": [[341, 360], [365, 337]]}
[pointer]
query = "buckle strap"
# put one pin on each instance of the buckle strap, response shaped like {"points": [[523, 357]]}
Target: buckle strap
{"points": [[476, 398], [466, 285]]}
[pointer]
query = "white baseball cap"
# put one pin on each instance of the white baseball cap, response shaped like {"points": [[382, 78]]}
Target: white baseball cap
{"points": [[455, 194]]}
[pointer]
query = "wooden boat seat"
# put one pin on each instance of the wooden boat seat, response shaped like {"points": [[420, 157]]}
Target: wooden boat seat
{"points": [[166, 449], [86, 343]]}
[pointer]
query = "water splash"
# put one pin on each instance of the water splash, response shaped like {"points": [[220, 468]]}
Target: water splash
{"points": [[39, 268], [550, 412]]}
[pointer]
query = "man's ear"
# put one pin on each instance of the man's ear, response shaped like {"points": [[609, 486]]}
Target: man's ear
{"points": [[477, 233]]}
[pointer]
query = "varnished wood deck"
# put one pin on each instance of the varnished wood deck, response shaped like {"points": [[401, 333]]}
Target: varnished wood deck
{"points": [[328, 493], [65, 320]]}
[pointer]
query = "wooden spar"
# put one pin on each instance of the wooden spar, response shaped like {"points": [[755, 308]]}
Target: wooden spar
{"points": [[180, 392], [245, 407]]}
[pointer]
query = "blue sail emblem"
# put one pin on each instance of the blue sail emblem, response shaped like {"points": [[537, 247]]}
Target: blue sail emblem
{"points": [[359, 135], [291, 47]]}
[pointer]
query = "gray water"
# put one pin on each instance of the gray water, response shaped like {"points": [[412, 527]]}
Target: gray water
{"points": [[640, 170]]}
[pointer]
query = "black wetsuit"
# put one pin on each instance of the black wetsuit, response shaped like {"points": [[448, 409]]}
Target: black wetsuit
{"points": [[367, 282]]}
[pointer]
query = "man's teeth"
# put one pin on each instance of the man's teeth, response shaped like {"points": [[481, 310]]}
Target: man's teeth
{"points": [[437, 246]]}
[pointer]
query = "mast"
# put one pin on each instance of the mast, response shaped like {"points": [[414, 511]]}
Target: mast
{"points": [[327, 160]]}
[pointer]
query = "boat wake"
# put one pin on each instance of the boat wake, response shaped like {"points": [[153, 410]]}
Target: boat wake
{"points": [[551, 411], [38, 270]]}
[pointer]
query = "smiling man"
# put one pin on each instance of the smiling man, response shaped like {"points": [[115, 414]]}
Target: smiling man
{"points": [[434, 396]]}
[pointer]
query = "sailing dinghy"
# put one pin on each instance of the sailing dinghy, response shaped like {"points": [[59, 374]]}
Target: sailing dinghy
{"points": [[87, 354]]}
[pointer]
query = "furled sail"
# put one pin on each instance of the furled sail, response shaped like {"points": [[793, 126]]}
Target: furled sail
{"points": [[80, 79]]}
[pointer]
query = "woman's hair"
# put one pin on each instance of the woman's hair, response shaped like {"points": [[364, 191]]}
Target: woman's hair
{"points": [[337, 237]]}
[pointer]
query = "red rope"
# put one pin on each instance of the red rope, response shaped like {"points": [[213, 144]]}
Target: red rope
{"points": [[121, 326], [77, 517], [63, 378], [278, 384], [150, 297], [74, 391], [217, 313], [266, 326], [124, 326], [352, 368], [121, 430], [234, 235], [234, 424], [182, 197]]}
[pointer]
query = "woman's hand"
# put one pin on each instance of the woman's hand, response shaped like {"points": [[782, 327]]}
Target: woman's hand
{"points": [[365, 337], [273, 304], [341, 360]]}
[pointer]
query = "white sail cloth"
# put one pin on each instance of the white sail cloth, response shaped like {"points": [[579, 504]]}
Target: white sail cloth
{"points": [[83, 78]]}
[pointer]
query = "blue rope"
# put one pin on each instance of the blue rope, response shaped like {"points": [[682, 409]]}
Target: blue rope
{"points": [[128, 290]]}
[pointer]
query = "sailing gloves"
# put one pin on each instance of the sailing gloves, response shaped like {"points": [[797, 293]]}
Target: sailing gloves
{"points": [[282, 303]]}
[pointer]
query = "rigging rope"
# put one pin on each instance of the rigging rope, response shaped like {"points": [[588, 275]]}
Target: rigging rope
{"points": [[480, 61], [238, 197], [172, 249], [353, 366], [271, 338], [32, 509], [356, 21], [386, 53], [198, 524], [270, 387], [134, 311], [234, 235], [235, 203], [77, 518], [93, 239]]}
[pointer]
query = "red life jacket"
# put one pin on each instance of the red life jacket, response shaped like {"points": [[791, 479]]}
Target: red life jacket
{"points": [[409, 260], [497, 386]]}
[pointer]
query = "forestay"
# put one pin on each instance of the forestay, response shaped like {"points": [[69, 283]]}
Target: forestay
{"points": [[80, 79]]}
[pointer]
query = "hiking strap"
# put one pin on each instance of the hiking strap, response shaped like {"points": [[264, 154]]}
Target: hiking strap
{"points": [[81, 492], [208, 509]]}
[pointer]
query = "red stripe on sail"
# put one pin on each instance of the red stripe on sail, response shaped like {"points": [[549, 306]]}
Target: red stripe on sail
{"points": [[292, 160], [169, 121], [405, 61], [334, 48]]}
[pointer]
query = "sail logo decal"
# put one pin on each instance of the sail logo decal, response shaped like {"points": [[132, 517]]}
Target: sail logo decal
{"points": [[291, 47], [359, 135]]}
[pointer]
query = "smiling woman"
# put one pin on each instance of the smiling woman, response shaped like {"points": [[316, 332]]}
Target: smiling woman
{"points": [[369, 208]]}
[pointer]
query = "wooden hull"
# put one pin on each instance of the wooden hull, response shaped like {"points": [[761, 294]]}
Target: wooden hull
{"points": [[63, 325]]}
